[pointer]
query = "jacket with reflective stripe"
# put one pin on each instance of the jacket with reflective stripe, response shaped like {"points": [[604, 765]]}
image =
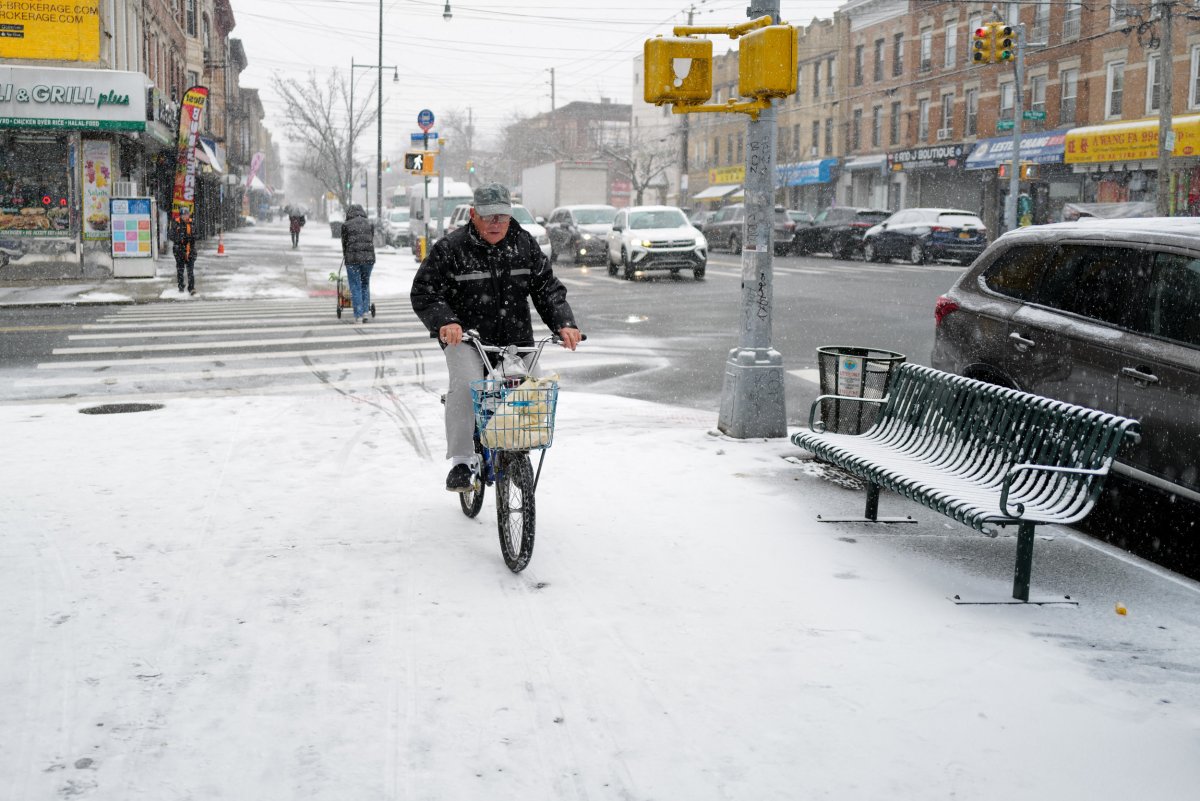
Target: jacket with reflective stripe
{"points": [[486, 287]]}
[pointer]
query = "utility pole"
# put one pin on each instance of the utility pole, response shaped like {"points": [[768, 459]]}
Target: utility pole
{"points": [[379, 217], [752, 400], [1014, 178], [1166, 136], [551, 71]]}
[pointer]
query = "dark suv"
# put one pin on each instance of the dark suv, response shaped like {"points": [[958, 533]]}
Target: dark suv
{"points": [[838, 230], [578, 232], [726, 229], [1104, 314]]}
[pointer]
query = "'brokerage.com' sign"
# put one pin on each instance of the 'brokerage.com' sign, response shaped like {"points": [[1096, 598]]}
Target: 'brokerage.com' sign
{"points": [[49, 30]]}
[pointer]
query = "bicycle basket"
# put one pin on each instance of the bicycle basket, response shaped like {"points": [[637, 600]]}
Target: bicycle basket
{"points": [[519, 418]]}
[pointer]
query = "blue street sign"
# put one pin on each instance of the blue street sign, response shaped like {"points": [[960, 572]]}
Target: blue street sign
{"points": [[425, 119], [420, 137]]}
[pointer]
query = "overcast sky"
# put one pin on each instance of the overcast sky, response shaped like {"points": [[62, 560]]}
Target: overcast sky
{"points": [[494, 58]]}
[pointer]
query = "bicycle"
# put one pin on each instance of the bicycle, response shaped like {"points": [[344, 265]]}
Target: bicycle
{"points": [[512, 418]]}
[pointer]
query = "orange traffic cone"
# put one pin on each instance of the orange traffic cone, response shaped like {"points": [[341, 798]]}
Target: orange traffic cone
{"points": [[220, 244]]}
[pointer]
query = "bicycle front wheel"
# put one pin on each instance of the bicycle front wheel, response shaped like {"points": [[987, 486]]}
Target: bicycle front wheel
{"points": [[515, 511], [471, 501]]}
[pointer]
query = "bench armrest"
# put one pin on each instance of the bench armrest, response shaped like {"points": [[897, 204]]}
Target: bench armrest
{"points": [[819, 426], [1011, 475]]}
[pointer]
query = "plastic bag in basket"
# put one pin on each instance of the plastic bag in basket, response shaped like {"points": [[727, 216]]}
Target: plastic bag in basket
{"points": [[525, 418]]}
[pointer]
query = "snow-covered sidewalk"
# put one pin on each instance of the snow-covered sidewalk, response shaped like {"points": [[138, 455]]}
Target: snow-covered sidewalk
{"points": [[274, 598]]}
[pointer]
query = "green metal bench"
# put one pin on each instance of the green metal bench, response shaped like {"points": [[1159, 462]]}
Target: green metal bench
{"points": [[978, 453]]}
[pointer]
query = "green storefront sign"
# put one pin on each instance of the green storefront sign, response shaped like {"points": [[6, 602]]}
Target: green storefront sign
{"points": [[72, 99]]}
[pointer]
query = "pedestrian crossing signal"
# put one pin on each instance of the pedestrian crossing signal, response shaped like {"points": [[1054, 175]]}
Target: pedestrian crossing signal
{"points": [[419, 162]]}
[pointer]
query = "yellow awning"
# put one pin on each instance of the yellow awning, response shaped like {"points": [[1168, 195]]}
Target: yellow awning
{"points": [[1130, 141]]}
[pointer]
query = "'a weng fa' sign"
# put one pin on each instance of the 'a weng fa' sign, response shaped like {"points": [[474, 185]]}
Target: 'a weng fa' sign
{"points": [[49, 97], [926, 157]]}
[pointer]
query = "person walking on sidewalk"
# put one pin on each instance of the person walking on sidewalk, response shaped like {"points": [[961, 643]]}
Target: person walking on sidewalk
{"points": [[295, 223], [481, 276], [183, 235], [358, 251]]}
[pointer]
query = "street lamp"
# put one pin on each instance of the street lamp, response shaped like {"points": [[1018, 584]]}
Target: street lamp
{"points": [[446, 15]]}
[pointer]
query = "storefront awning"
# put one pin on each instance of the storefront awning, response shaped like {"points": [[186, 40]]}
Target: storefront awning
{"points": [[208, 154], [715, 192], [256, 183], [876, 162], [1036, 148], [1130, 141], [805, 172]]}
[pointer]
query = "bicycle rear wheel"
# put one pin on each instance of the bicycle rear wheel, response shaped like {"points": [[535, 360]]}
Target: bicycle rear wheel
{"points": [[471, 501], [515, 510]]}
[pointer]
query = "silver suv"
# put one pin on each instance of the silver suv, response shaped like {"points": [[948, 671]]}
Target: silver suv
{"points": [[1102, 313]]}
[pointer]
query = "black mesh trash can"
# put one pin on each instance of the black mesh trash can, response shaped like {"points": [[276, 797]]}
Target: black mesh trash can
{"points": [[856, 373]]}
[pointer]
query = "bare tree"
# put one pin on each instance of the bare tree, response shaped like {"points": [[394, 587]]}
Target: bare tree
{"points": [[319, 118], [642, 162]]}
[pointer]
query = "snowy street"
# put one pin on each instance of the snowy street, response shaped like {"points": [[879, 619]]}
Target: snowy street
{"points": [[272, 597]]}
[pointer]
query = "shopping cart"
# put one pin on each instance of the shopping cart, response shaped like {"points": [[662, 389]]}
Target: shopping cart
{"points": [[343, 292]]}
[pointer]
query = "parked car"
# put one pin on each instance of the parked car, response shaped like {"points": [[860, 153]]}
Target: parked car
{"points": [[462, 216], [700, 216], [838, 230], [396, 228], [655, 238], [1102, 313], [579, 231], [800, 217], [926, 234], [727, 228]]}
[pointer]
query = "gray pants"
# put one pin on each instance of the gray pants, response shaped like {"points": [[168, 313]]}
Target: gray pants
{"points": [[465, 366]]}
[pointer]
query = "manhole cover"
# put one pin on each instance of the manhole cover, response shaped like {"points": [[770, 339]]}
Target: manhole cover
{"points": [[121, 408]]}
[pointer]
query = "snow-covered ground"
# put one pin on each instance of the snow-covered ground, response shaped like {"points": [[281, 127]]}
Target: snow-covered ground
{"points": [[274, 598]]}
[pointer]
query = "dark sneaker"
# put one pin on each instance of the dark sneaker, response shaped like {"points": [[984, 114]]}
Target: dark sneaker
{"points": [[459, 479]]}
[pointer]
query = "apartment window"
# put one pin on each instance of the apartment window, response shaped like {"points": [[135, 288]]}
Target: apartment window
{"points": [[830, 75], [898, 55], [741, 144], [1194, 80], [1013, 14], [829, 136], [1118, 11], [816, 79], [858, 65], [717, 150], [877, 127], [1037, 99], [1154, 82], [923, 120], [796, 140], [1006, 101], [856, 130], [1040, 32], [1068, 81], [972, 113], [894, 125], [951, 46], [926, 50], [729, 149], [878, 60], [947, 117], [1115, 89], [1071, 15], [190, 18], [816, 140], [799, 83]]}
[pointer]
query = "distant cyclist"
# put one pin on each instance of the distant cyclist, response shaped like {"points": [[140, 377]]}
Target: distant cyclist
{"points": [[481, 277]]}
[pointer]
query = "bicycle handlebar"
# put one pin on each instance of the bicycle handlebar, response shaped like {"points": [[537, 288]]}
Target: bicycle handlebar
{"points": [[472, 336]]}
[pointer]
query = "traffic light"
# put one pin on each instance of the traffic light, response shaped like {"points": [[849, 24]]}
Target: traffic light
{"points": [[470, 166], [387, 165], [982, 44], [677, 70], [1005, 47], [768, 62]]}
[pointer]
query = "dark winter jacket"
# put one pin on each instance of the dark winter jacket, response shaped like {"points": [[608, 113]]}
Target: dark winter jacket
{"points": [[295, 222], [183, 235], [358, 237], [486, 287]]}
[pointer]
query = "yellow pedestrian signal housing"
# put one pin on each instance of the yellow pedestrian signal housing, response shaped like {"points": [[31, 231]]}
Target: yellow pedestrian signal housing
{"points": [[677, 70], [982, 45], [1004, 48], [1029, 172], [419, 162], [768, 62]]}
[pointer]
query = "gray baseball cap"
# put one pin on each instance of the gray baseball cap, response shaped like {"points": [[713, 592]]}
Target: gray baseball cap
{"points": [[492, 199]]}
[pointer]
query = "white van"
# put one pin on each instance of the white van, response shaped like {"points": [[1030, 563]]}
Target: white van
{"points": [[424, 213]]}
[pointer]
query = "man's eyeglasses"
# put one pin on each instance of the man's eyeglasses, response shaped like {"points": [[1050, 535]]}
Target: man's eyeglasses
{"points": [[495, 219]]}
